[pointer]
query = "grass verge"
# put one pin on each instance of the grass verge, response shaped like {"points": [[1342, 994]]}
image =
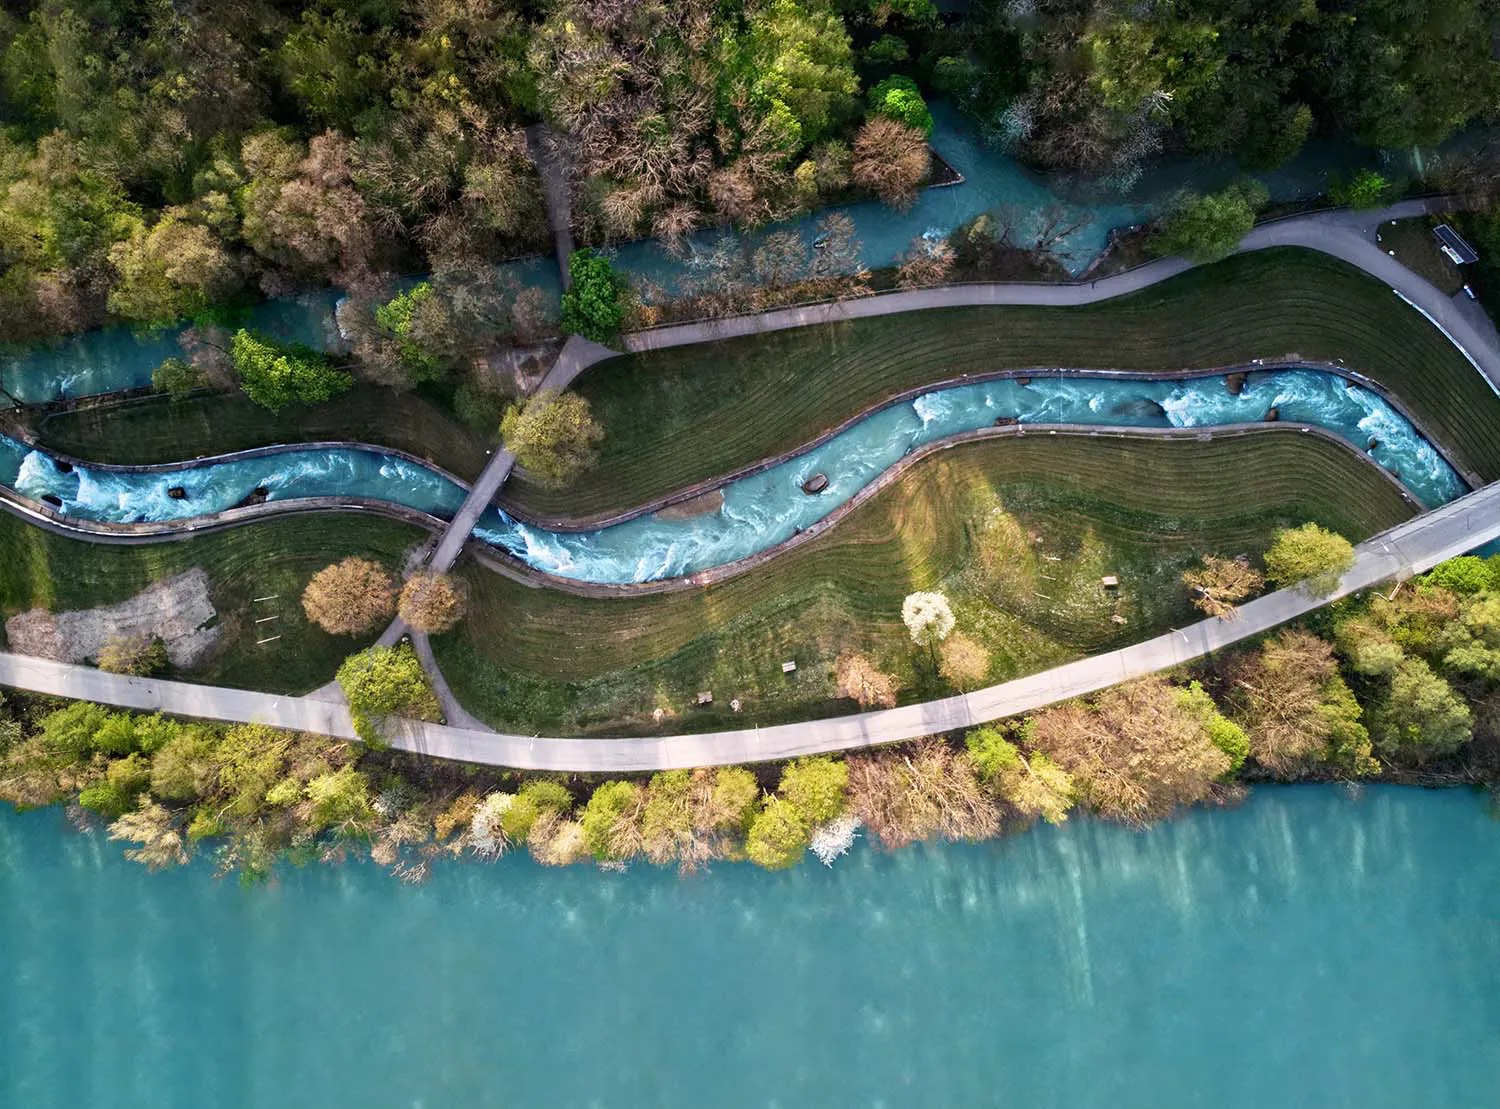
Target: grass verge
{"points": [[1059, 512], [676, 417], [272, 558]]}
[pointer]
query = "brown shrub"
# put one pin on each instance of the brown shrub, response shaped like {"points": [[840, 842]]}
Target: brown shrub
{"points": [[923, 792], [891, 160], [860, 680], [431, 603]]}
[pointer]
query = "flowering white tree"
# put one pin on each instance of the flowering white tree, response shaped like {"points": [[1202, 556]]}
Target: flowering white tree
{"points": [[829, 841], [927, 617], [486, 835]]}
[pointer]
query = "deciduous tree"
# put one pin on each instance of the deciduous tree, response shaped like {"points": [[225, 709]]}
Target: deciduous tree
{"points": [[552, 436], [1310, 556], [1220, 584], [963, 661], [431, 603], [891, 160], [350, 597], [861, 681]]}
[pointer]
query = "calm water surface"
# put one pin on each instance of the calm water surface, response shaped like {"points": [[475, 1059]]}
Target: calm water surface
{"points": [[1306, 949]]}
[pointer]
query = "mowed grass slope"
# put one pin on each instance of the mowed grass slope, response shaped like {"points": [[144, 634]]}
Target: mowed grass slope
{"points": [[272, 558], [680, 416], [158, 429], [540, 660]]}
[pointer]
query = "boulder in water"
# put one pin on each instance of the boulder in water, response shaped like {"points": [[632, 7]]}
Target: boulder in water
{"points": [[62, 467], [177, 493], [815, 484], [1235, 383], [1372, 444], [53, 499], [1273, 415], [1142, 408], [1023, 381], [1007, 421]]}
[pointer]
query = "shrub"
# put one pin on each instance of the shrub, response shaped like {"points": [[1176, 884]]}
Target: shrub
{"points": [[817, 788], [963, 662], [382, 682], [1207, 228], [778, 835], [610, 820], [862, 682], [1466, 574], [137, 655]]}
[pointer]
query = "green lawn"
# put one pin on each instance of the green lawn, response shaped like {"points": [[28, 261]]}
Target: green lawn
{"points": [[162, 430], [675, 417], [540, 660], [273, 558]]}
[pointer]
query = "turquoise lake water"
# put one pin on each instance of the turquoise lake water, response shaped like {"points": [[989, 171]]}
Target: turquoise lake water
{"points": [[1305, 949]]}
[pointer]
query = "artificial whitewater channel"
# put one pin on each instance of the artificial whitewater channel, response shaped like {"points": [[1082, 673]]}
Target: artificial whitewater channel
{"points": [[760, 510]]}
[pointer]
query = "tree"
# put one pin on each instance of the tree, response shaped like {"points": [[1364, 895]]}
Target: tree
{"points": [[177, 378], [929, 791], [1471, 644], [174, 270], [137, 655], [382, 682], [1223, 732], [891, 160], [1421, 717], [816, 787], [154, 828], [862, 682], [1033, 785], [963, 662], [1310, 556], [350, 597], [400, 319], [274, 375], [186, 767], [778, 835], [803, 67], [611, 821], [431, 603], [116, 793], [1207, 228], [1466, 574], [595, 305], [539, 799], [553, 436], [1220, 584], [899, 99], [1297, 710], [926, 262], [1135, 754], [928, 618], [340, 803]]}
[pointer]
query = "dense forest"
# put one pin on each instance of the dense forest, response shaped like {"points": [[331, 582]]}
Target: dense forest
{"points": [[160, 158]]}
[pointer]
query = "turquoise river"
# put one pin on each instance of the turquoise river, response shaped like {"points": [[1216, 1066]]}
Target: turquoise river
{"points": [[1308, 948]]}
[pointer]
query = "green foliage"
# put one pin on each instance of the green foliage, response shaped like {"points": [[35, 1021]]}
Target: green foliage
{"points": [[778, 835], [899, 98], [341, 803], [185, 767], [803, 65], [274, 375], [480, 408], [1223, 733], [1311, 556], [734, 796], [1366, 189], [1421, 717], [1467, 574], [993, 754], [595, 305], [398, 316], [124, 782], [1471, 645], [887, 50], [177, 378], [818, 788], [72, 729], [609, 804], [385, 681], [955, 76], [534, 800], [552, 436], [1207, 228], [177, 269]]}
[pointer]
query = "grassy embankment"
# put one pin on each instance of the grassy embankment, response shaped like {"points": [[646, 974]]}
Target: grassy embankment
{"points": [[273, 558], [676, 417], [162, 430], [540, 660]]}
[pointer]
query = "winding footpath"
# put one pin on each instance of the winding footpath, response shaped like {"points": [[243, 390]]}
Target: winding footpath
{"points": [[1411, 548], [1408, 549]]}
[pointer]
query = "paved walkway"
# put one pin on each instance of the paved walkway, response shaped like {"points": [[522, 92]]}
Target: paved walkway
{"points": [[557, 193], [1411, 548]]}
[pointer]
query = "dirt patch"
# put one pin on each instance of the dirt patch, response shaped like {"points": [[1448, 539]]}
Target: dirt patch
{"points": [[177, 609], [701, 505]]}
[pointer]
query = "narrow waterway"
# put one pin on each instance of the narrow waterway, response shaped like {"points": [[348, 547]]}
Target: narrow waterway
{"points": [[761, 510], [118, 358], [1304, 949]]}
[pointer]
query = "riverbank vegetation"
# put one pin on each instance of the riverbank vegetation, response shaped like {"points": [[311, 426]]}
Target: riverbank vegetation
{"points": [[679, 416], [1018, 533], [256, 573], [1404, 686]]}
